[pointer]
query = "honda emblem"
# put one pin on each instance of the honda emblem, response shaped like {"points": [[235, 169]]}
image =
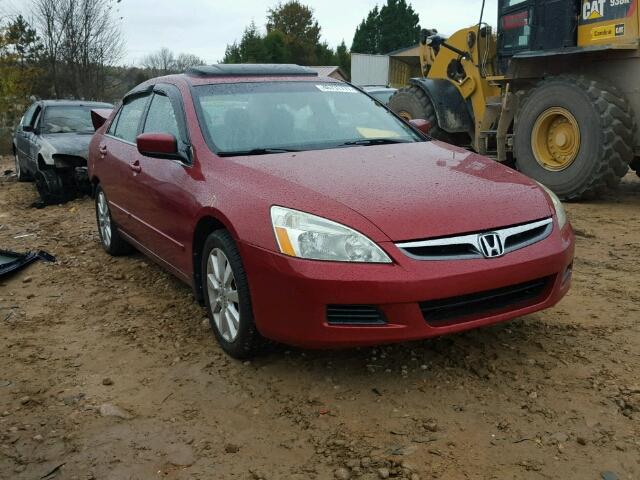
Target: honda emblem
{"points": [[491, 245]]}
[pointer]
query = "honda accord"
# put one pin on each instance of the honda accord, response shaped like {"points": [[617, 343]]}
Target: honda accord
{"points": [[301, 210]]}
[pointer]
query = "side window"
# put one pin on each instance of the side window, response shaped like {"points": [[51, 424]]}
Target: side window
{"points": [[35, 120], [129, 119], [28, 115], [161, 117], [114, 122]]}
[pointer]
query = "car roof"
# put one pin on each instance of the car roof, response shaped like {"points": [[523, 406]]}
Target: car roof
{"points": [[251, 70], [235, 73], [74, 103]]}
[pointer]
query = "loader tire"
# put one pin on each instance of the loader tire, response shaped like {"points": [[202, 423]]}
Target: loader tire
{"points": [[635, 165], [411, 102], [575, 135]]}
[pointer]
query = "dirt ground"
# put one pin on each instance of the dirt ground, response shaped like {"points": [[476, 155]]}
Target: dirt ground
{"points": [[107, 372]]}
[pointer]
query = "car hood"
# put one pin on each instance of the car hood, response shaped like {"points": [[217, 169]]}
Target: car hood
{"points": [[76, 144], [409, 191]]}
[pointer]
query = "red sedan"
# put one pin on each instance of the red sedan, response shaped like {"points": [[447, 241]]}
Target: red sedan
{"points": [[303, 211]]}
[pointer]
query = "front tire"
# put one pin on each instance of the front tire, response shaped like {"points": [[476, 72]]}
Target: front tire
{"points": [[227, 297], [50, 187], [574, 135], [110, 238]]}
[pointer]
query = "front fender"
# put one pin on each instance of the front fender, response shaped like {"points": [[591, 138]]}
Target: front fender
{"points": [[45, 153]]}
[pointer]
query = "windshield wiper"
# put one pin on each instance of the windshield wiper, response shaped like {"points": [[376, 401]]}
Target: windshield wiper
{"points": [[373, 141], [256, 151]]}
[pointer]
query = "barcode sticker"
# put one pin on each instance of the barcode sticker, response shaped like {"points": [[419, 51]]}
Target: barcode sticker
{"points": [[327, 87]]}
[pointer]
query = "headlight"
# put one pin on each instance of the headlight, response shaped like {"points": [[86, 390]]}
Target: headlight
{"points": [[304, 235], [561, 215]]}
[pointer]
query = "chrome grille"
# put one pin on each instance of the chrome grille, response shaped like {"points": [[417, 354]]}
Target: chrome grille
{"points": [[468, 246]]}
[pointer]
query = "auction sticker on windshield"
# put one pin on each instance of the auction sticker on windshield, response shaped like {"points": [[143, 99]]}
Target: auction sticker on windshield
{"points": [[336, 88]]}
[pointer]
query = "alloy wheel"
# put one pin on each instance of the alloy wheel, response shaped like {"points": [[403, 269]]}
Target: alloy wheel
{"points": [[104, 219], [223, 295]]}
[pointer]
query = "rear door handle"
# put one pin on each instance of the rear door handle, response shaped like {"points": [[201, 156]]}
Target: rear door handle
{"points": [[103, 150], [135, 166]]}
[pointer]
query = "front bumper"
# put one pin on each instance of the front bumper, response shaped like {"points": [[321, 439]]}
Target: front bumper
{"points": [[290, 296]]}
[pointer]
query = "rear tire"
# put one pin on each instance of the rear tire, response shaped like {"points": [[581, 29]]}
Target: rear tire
{"points": [[227, 297], [21, 173], [110, 238], [411, 102], [605, 133]]}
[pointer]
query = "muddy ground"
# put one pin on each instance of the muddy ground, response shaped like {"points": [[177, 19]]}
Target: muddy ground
{"points": [[107, 372]]}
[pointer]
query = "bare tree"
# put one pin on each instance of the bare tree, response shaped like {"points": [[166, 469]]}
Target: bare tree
{"points": [[188, 60], [161, 62], [81, 40], [164, 62]]}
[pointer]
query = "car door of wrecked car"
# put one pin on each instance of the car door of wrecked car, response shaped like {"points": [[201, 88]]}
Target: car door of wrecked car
{"points": [[31, 141], [163, 196], [22, 142], [117, 155]]}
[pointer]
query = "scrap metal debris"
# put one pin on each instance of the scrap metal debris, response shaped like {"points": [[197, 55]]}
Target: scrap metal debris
{"points": [[11, 262]]}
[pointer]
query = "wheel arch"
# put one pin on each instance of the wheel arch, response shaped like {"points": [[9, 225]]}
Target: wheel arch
{"points": [[94, 181], [42, 164], [207, 224], [451, 110]]}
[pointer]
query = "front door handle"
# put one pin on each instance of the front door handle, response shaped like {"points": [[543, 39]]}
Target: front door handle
{"points": [[135, 166], [103, 150]]}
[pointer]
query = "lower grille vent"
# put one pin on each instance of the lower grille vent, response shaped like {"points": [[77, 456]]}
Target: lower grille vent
{"points": [[458, 309], [354, 315]]}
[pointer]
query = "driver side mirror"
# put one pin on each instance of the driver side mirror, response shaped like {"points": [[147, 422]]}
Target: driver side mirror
{"points": [[421, 124], [27, 128], [159, 145]]}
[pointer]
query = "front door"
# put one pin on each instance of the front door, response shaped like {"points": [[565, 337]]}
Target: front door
{"points": [[164, 203], [21, 136], [27, 141], [117, 149]]}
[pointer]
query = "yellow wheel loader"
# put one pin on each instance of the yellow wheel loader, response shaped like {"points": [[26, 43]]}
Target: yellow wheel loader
{"points": [[554, 92]]}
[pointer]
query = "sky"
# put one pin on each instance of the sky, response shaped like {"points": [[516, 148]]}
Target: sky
{"points": [[205, 27]]}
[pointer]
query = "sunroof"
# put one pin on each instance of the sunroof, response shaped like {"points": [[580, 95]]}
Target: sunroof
{"points": [[252, 70]]}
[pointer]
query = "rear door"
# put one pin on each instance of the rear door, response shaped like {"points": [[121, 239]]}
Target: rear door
{"points": [[163, 188], [117, 156]]}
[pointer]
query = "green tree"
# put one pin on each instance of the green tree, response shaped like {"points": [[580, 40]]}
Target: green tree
{"points": [[232, 54], [275, 44], [367, 36], [343, 58], [20, 52], [396, 25], [399, 26], [23, 41], [252, 45], [301, 31], [293, 36]]}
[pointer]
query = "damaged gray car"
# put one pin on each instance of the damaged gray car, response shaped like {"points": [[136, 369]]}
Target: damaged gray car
{"points": [[50, 146]]}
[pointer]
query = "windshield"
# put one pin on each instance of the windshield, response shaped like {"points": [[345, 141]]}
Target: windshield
{"points": [[67, 119], [255, 118], [383, 97]]}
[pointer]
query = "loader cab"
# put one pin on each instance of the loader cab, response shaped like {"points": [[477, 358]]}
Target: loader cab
{"points": [[535, 25]]}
